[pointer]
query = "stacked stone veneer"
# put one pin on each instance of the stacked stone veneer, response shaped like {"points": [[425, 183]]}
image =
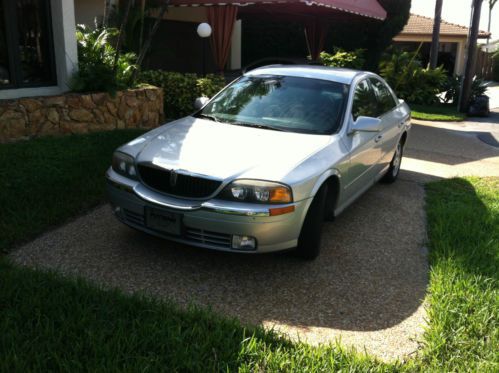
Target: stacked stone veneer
{"points": [[80, 113]]}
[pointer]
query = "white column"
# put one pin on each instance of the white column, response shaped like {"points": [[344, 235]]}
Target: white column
{"points": [[64, 29], [235, 48]]}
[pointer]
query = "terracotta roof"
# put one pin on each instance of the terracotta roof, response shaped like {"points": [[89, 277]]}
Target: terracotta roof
{"points": [[420, 25]]}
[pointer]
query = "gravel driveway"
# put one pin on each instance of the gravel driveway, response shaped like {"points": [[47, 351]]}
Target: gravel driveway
{"points": [[366, 288]]}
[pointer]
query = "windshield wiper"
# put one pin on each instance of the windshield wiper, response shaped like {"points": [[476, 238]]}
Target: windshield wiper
{"points": [[209, 117], [261, 126]]}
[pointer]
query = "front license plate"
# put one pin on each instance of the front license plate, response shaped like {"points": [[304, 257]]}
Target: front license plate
{"points": [[164, 221]]}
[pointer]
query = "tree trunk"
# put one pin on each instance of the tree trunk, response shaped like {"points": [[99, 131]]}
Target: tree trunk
{"points": [[436, 35], [107, 11], [147, 43], [124, 21], [469, 71]]}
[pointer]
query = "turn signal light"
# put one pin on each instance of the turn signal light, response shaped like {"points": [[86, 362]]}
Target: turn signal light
{"points": [[281, 210]]}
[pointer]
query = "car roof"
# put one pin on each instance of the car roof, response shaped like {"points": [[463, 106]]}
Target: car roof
{"points": [[340, 75]]}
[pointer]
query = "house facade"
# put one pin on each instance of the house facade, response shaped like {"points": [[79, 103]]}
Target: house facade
{"points": [[417, 34], [177, 46], [38, 52]]}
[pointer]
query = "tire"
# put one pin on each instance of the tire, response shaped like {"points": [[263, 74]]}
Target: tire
{"points": [[331, 196], [309, 241], [394, 170]]}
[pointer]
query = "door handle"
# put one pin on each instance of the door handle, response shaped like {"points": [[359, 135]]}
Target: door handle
{"points": [[378, 138]]}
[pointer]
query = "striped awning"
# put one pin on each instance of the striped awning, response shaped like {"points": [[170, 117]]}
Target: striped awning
{"points": [[365, 8]]}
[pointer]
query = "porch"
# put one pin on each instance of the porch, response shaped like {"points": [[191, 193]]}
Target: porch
{"points": [[295, 29]]}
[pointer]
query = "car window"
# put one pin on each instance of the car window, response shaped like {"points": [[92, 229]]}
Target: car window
{"points": [[364, 101], [283, 103], [386, 102]]}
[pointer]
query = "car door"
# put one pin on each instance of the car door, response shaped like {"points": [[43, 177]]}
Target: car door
{"points": [[364, 155], [392, 119]]}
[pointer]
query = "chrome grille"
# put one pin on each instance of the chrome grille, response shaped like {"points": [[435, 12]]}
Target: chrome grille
{"points": [[181, 185], [207, 237], [134, 217]]}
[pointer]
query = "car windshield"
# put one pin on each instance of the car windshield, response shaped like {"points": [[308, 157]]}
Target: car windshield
{"points": [[280, 103]]}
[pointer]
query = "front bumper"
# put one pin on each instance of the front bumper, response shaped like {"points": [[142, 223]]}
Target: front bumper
{"points": [[208, 224]]}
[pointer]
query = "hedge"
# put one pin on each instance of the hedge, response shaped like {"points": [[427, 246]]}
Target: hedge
{"points": [[181, 90]]}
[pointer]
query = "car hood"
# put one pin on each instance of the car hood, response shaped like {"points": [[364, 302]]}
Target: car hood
{"points": [[225, 151]]}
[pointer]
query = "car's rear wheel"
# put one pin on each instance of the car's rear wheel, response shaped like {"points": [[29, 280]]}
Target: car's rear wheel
{"points": [[394, 170], [309, 241]]}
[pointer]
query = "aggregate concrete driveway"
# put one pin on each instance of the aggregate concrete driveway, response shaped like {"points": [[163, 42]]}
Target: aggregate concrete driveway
{"points": [[366, 289]]}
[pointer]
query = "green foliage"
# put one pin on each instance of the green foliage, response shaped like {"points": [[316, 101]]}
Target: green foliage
{"points": [[342, 58], [380, 34], [453, 88], [96, 57], [181, 90], [412, 82], [495, 70]]}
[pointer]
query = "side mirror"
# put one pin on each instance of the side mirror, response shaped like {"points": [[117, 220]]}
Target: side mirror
{"points": [[366, 124], [200, 102]]}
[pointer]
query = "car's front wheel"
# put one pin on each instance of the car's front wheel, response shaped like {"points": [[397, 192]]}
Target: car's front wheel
{"points": [[394, 170], [309, 241]]}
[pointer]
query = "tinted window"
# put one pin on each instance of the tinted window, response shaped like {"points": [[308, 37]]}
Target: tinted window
{"points": [[364, 101], [386, 102], [34, 41], [26, 51], [4, 58], [281, 102]]}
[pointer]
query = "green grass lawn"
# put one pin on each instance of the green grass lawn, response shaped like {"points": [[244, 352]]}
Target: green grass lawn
{"points": [[49, 323], [45, 181], [445, 113]]}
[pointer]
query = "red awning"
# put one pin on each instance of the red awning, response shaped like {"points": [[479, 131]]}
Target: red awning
{"points": [[366, 8]]}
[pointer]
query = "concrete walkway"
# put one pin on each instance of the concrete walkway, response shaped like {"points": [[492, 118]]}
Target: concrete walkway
{"points": [[366, 289]]}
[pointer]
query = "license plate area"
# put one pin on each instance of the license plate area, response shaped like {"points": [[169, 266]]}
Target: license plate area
{"points": [[164, 221]]}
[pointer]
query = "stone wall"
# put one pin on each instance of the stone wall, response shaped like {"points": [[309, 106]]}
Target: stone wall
{"points": [[26, 118]]}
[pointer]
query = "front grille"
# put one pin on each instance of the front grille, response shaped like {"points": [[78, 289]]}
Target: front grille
{"points": [[185, 185], [134, 217], [207, 237]]}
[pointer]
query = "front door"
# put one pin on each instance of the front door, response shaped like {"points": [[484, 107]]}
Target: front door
{"points": [[362, 146]]}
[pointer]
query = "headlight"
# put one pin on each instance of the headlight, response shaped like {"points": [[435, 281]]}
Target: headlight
{"points": [[124, 165], [257, 191]]}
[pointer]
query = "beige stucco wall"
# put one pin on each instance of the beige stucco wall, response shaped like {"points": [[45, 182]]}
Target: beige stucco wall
{"points": [[461, 46]]}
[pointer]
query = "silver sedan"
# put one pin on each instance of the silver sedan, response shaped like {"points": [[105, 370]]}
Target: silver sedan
{"points": [[261, 165]]}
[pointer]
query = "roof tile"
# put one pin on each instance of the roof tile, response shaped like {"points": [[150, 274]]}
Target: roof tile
{"points": [[421, 25]]}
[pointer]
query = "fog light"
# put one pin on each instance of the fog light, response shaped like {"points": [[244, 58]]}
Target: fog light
{"points": [[243, 243]]}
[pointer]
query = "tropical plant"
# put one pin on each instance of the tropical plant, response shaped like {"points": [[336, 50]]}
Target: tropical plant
{"points": [[98, 67], [453, 89], [415, 84], [342, 58], [181, 90]]}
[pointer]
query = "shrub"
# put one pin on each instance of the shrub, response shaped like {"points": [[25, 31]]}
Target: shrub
{"points": [[181, 90], [412, 82], [96, 56], [342, 58], [453, 89]]}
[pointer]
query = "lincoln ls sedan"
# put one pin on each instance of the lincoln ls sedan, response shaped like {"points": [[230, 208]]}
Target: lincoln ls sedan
{"points": [[261, 165]]}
